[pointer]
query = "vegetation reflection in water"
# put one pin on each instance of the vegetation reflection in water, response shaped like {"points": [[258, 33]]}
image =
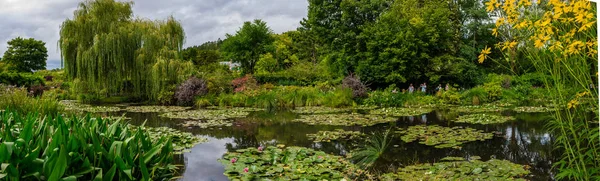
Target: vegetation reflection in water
{"points": [[271, 128]]}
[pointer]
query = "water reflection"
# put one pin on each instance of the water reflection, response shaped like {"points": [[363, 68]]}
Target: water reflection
{"points": [[523, 141]]}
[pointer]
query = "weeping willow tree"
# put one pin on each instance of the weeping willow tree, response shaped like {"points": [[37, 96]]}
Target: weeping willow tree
{"points": [[110, 53]]}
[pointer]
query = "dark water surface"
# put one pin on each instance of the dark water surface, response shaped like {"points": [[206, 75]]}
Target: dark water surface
{"points": [[523, 141]]}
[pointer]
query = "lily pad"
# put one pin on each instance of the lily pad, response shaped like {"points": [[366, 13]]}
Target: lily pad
{"points": [[443, 137], [460, 169], [398, 112], [72, 105], [182, 141], [534, 109], [483, 119], [156, 108], [207, 123], [287, 163], [338, 134], [319, 110], [206, 114], [478, 109], [348, 119], [245, 109]]}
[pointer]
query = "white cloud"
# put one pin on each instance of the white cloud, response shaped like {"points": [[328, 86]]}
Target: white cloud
{"points": [[202, 21]]}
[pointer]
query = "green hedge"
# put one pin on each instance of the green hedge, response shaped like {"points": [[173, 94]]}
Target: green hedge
{"points": [[20, 79]]}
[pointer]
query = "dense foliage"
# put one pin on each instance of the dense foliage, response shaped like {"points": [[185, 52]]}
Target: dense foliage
{"points": [[248, 44], [87, 148], [107, 52], [25, 55]]}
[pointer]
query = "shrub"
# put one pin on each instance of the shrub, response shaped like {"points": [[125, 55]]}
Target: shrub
{"points": [[493, 91], [166, 97], [450, 97], [475, 95], [17, 99], [188, 90], [244, 83], [341, 97], [352, 82], [385, 99], [20, 79]]}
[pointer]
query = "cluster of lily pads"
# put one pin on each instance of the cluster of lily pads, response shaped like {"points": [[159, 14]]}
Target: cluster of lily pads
{"points": [[478, 109], [207, 114], [287, 163], [72, 105], [457, 168], [207, 123], [155, 108], [483, 119], [534, 109], [338, 134], [182, 141], [442, 137], [245, 109], [398, 112], [347, 119], [318, 110]]}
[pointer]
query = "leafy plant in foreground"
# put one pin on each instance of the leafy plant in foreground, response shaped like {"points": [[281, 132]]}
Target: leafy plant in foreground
{"points": [[60, 148]]}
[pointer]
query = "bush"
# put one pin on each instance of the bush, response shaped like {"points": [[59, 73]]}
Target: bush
{"points": [[20, 79], [166, 97], [188, 90], [340, 98], [244, 83], [385, 99], [474, 96], [17, 99], [449, 97], [352, 82]]}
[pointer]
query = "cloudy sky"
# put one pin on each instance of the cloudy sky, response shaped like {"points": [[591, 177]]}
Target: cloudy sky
{"points": [[203, 20]]}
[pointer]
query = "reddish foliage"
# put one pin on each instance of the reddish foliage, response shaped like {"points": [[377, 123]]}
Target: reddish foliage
{"points": [[244, 83], [353, 82], [185, 93]]}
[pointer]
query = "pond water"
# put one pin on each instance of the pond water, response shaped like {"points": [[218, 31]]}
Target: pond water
{"points": [[524, 141]]}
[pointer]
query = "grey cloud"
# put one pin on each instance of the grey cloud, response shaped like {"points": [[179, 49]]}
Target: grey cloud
{"points": [[203, 20]]}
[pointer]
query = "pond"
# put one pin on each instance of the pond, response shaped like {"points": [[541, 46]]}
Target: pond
{"points": [[523, 140]]}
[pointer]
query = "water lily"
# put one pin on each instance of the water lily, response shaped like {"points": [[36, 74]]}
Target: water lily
{"points": [[246, 169], [260, 148], [320, 157], [233, 160]]}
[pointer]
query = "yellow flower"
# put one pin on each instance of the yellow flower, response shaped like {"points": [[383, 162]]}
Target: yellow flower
{"points": [[575, 47], [572, 104], [495, 32], [484, 52], [490, 5], [539, 43], [509, 45]]}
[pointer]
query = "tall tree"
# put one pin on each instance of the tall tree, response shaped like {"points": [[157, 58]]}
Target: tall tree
{"points": [[250, 41], [204, 54], [104, 48], [26, 55]]}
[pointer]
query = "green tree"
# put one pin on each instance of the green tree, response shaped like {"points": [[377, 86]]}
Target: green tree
{"points": [[250, 41], [26, 55], [204, 54], [107, 52]]}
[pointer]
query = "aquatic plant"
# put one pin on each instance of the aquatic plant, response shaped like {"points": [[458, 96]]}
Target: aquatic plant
{"points": [[59, 148], [155, 108], [535, 109], [398, 112], [457, 168], [72, 105], [206, 114], [349, 119], [319, 110], [483, 119], [207, 123], [287, 163], [245, 109], [338, 134], [372, 150], [442, 137], [478, 109], [182, 141]]}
